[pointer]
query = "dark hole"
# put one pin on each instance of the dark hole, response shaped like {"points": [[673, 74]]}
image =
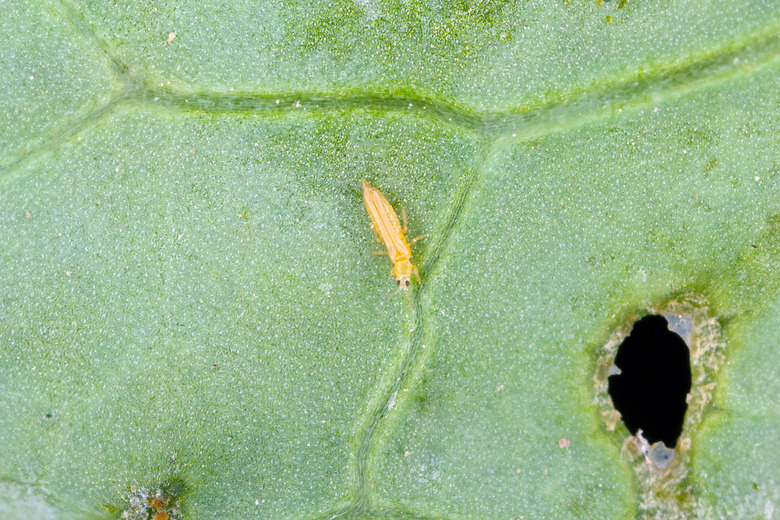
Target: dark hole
{"points": [[655, 378]]}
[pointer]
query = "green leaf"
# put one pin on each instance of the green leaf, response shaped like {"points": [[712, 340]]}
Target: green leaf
{"points": [[192, 322]]}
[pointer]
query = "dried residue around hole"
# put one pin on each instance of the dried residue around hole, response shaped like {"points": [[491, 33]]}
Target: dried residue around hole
{"points": [[661, 469], [157, 503]]}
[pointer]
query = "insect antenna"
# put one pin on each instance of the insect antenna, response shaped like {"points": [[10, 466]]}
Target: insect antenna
{"points": [[394, 293], [406, 293]]}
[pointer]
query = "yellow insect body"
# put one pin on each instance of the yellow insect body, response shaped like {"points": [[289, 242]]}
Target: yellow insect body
{"points": [[387, 229]]}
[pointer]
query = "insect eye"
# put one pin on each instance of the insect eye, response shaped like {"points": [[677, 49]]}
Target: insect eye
{"points": [[408, 283], [398, 282]]}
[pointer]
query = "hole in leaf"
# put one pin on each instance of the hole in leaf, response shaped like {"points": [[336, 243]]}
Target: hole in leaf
{"points": [[651, 382]]}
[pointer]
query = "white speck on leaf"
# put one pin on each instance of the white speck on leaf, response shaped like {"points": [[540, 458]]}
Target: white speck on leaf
{"points": [[370, 7]]}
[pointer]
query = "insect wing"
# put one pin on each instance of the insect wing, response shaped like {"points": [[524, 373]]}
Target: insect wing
{"points": [[386, 222]]}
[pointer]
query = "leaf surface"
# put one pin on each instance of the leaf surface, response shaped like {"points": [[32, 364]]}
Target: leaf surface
{"points": [[189, 306]]}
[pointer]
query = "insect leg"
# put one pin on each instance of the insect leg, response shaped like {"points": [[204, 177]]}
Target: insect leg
{"points": [[403, 217], [415, 239], [382, 252], [416, 274], [376, 232]]}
